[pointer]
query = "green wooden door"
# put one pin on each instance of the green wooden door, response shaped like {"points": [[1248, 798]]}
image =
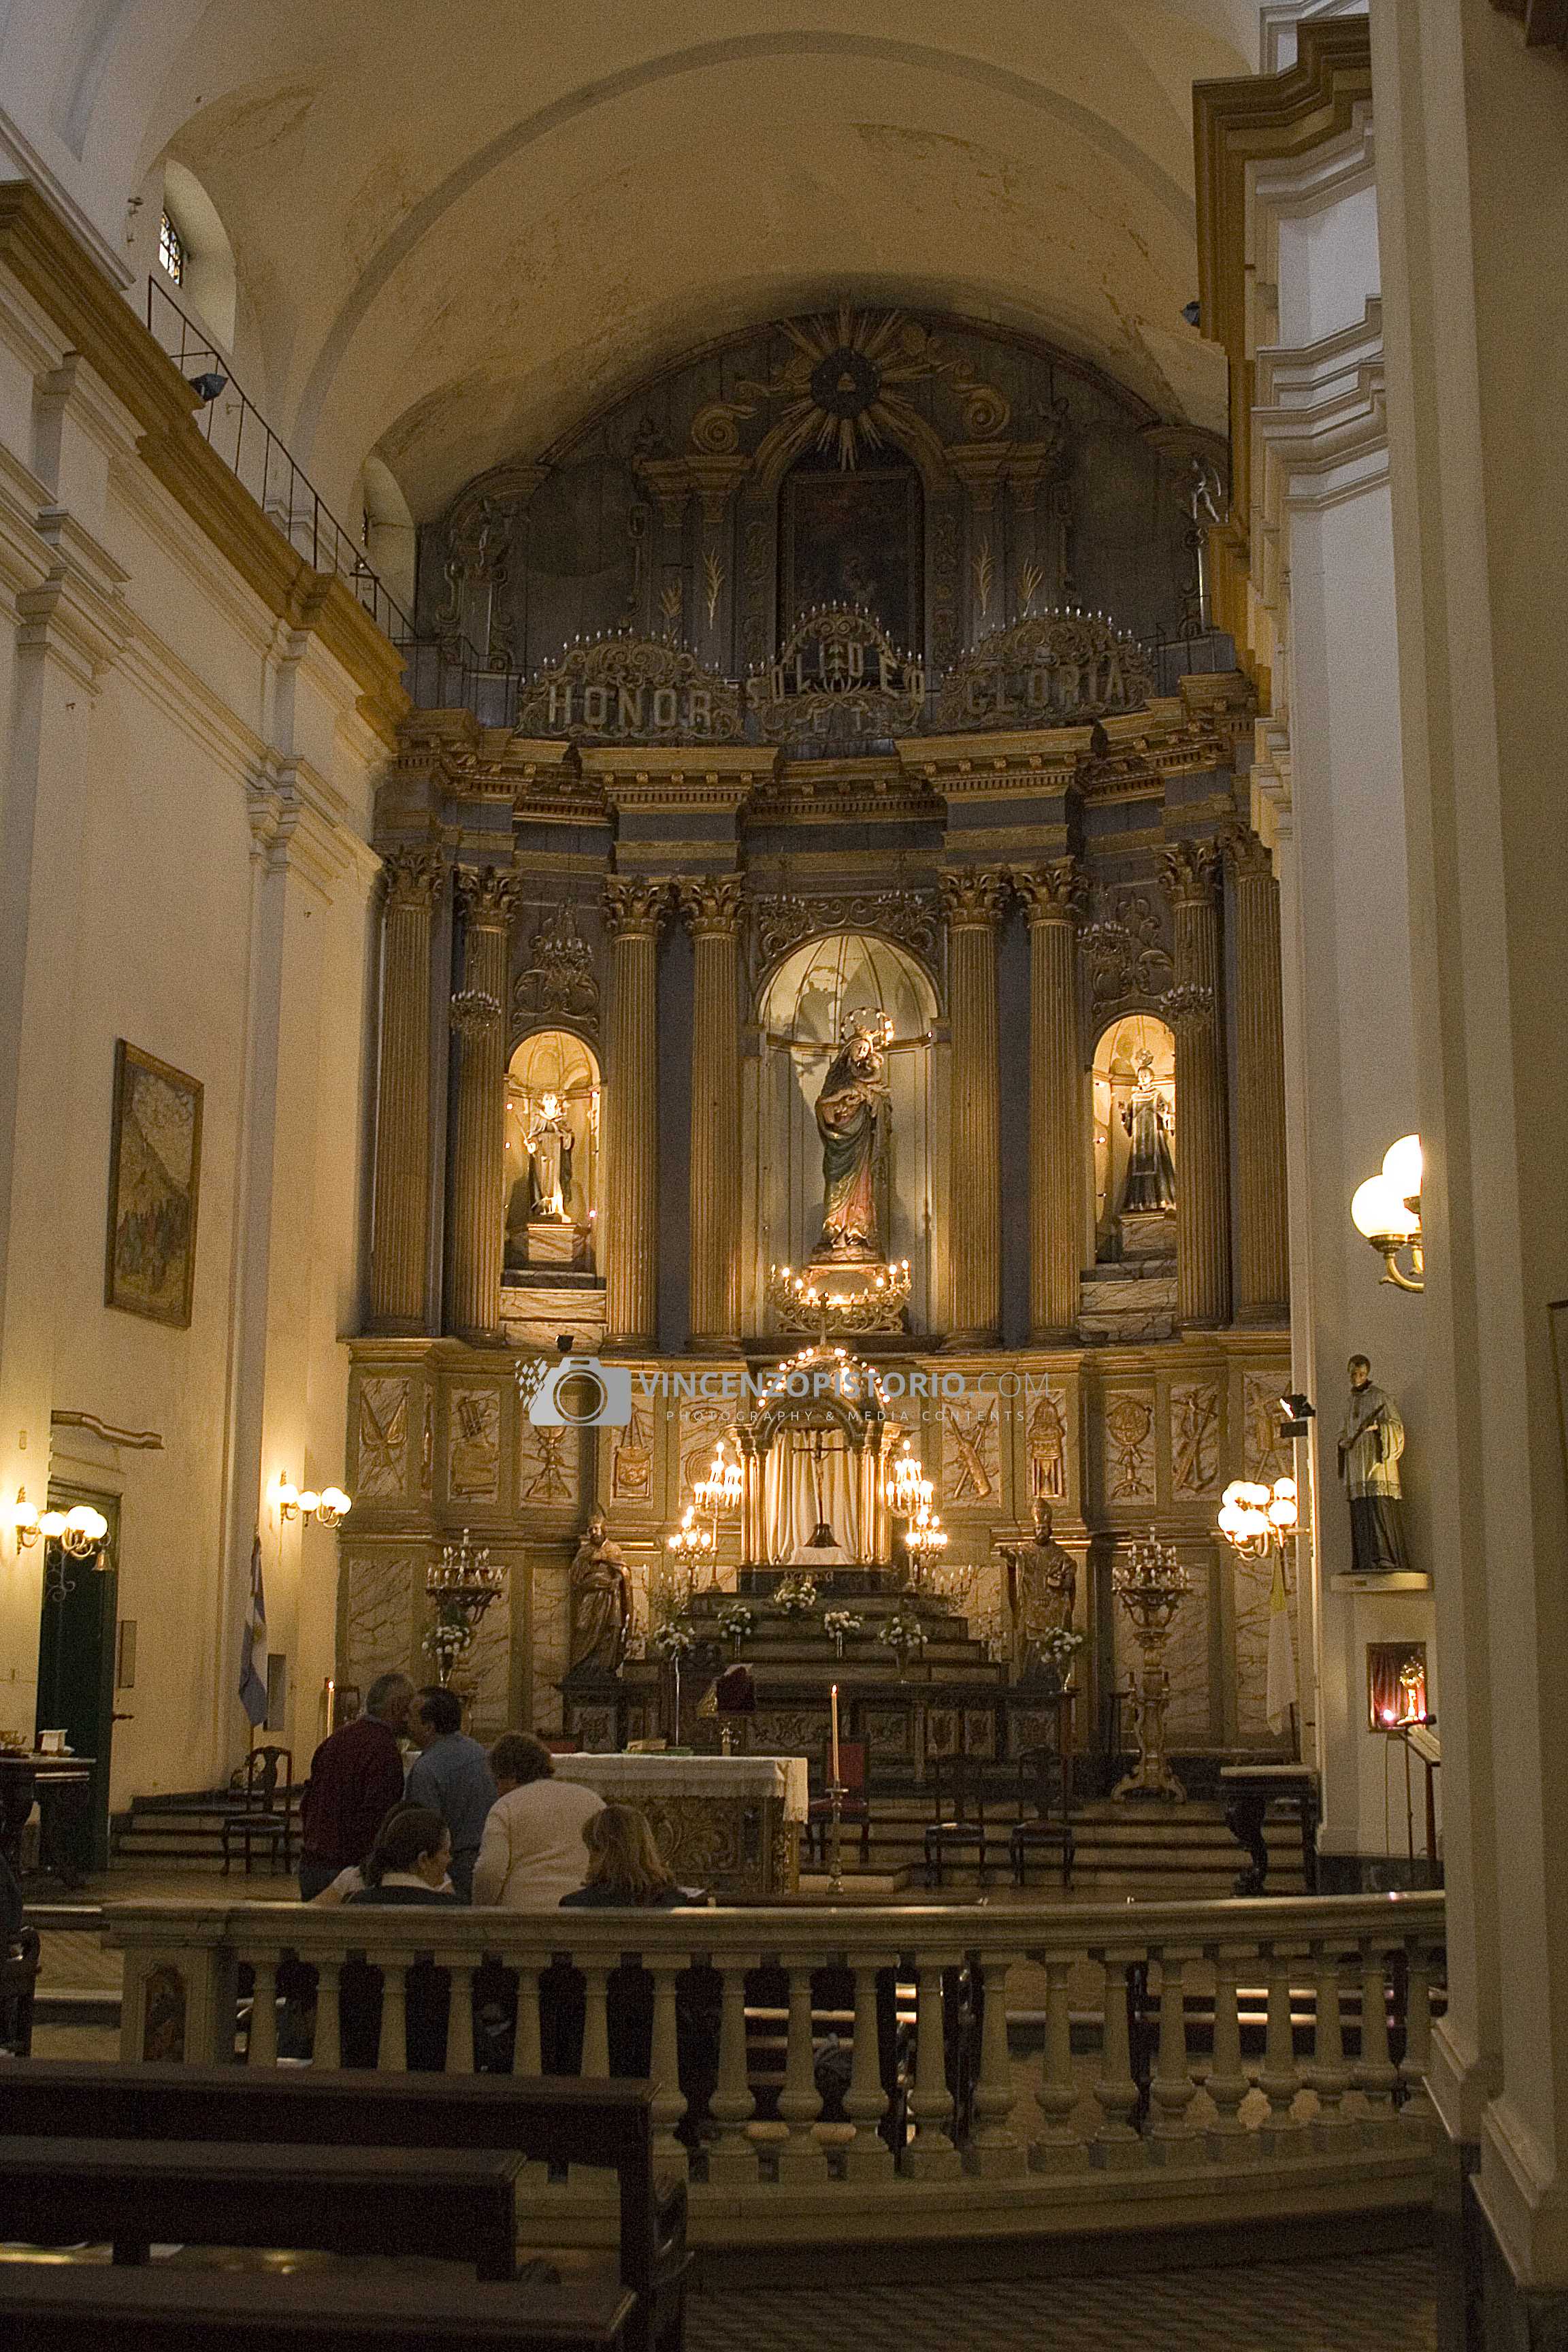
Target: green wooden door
{"points": [[76, 1665]]}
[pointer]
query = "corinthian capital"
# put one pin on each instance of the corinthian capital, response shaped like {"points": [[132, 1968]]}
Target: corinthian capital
{"points": [[1189, 871], [634, 906], [974, 896], [413, 876], [1052, 893], [490, 894], [1247, 856], [710, 907]]}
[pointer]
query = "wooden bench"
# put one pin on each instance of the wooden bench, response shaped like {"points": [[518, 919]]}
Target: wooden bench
{"points": [[562, 2120], [368, 2200], [85, 2306]]}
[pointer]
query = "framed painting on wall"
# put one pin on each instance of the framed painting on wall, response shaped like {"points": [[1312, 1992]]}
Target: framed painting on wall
{"points": [[154, 1178]]}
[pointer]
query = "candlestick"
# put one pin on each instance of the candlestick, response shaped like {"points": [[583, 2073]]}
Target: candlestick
{"points": [[833, 1696]]}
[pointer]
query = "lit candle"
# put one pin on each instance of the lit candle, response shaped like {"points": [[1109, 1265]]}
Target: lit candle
{"points": [[834, 1696]]}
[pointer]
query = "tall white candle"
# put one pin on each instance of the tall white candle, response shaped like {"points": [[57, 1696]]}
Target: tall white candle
{"points": [[834, 1696]]}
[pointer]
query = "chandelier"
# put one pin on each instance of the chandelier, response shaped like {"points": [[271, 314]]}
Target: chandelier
{"points": [[462, 1584]]}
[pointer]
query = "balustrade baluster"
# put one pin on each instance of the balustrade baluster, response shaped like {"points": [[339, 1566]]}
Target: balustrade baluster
{"points": [[460, 2016], [733, 2160], [995, 2151], [596, 2018], [1060, 2148], [668, 2099], [930, 2155], [263, 2046], [867, 2155], [526, 2052], [391, 2057], [802, 2160], [1417, 2115], [327, 2049], [1328, 2075], [1375, 2075], [1116, 2144], [1172, 2089], [1280, 2079], [1229, 2141]]}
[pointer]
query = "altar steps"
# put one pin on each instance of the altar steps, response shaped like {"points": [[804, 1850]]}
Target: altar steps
{"points": [[1155, 1852]]}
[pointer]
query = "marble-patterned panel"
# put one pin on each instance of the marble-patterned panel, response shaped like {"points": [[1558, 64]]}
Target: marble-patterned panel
{"points": [[381, 1438], [473, 1445], [378, 1633], [1197, 1449], [549, 1603], [1252, 1580], [485, 1674], [1130, 1455]]}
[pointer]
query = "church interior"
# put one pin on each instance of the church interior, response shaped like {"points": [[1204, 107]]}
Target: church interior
{"points": [[781, 1074]]}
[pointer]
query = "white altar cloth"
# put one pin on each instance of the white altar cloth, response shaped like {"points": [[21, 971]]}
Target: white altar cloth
{"points": [[629, 1779]]}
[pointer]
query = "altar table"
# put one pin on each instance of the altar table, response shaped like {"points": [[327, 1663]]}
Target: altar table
{"points": [[731, 1823]]}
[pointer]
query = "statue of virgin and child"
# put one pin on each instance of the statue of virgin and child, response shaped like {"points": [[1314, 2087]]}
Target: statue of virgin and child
{"points": [[853, 1112]]}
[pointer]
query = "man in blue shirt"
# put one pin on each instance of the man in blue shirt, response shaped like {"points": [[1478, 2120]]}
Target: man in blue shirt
{"points": [[451, 1775]]}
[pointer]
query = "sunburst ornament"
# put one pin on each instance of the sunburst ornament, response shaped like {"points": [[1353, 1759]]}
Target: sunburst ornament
{"points": [[840, 385]]}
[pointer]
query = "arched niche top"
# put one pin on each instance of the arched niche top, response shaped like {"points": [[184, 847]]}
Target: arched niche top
{"points": [[804, 998], [553, 1056], [1124, 1040]]}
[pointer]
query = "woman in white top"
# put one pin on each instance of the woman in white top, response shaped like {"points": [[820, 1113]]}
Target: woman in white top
{"points": [[532, 1851]]}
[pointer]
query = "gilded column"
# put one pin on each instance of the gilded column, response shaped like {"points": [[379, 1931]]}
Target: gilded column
{"points": [[400, 1229], [1262, 1245], [633, 910], [478, 1209], [712, 911], [1202, 1176], [974, 899], [1053, 895]]}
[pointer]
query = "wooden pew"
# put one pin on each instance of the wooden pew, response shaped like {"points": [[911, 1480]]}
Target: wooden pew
{"points": [[556, 2119], [370, 2201], [87, 2306]]}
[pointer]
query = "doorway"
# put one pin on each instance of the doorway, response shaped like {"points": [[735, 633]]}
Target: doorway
{"points": [[76, 1672]]}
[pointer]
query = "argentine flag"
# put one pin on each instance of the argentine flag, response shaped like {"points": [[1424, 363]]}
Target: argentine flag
{"points": [[253, 1645]]}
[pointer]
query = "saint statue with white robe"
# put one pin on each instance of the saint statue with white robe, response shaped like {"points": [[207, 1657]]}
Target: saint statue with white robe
{"points": [[1371, 1439], [852, 1112], [548, 1142]]}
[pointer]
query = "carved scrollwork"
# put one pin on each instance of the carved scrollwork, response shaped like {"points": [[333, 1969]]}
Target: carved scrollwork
{"points": [[558, 982], [625, 689], [783, 919], [1125, 950], [1050, 670], [839, 675]]}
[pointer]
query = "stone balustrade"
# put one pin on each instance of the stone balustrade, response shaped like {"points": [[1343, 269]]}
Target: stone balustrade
{"points": [[999, 2071]]}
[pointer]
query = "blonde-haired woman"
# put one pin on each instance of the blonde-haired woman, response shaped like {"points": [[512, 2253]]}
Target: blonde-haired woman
{"points": [[627, 1873], [625, 1869]]}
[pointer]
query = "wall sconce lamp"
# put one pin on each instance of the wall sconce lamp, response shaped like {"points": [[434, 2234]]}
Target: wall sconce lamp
{"points": [[1386, 1209], [22, 1517], [81, 1531], [303, 1503], [1252, 1516]]}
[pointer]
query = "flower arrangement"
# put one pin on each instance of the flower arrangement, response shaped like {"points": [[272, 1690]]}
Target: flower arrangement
{"points": [[903, 1632], [840, 1624], [675, 1639], [796, 1596], [450, 1638], [1060, 1645], [737, 1623]]}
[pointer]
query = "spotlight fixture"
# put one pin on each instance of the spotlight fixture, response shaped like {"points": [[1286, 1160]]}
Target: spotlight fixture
{"points": [[1192, 312], [1297, 1414], [208, 386]]}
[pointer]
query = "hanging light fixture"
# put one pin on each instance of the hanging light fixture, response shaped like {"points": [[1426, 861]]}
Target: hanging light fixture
{"points": [[1386, 1210]]}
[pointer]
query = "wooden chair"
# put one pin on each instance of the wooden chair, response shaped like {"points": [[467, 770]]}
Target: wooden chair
{"points": [[266, 1813], [1045, 1810], [18, 1984], [958, 1791], [854, 1757]]}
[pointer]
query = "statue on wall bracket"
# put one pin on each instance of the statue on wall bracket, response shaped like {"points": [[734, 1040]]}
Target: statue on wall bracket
{"points": [[853, 1112], [1371, 1439]]}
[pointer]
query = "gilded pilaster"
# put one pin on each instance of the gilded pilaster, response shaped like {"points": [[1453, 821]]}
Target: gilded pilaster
{"points": [[1053, 895], [400, 1230], [974, 899], [489, 895], [1202, 1178], [1262, 1243], [633, 910], [711, 909]]}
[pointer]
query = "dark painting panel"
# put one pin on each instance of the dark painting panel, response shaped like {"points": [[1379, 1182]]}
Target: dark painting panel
{"points": [[854, 538]]}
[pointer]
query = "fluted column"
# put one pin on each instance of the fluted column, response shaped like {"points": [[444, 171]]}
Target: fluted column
{"points": [[711, 909], [478, 1206], [1202, 1177], [1052, 895], [400, 1230], [974, 899], [634, 908], [1262, 1247]]}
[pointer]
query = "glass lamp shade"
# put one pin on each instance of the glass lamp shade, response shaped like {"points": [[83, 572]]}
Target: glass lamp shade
{"points": [[1379, 1212], [52, 1524], [310, 1502], [1402, 1165]]}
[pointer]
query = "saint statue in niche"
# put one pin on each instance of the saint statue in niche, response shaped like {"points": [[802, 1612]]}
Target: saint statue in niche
{"points": [[1371, 1439], [1042, 1578], [601, 1605], [547, 1140], [852, 1115], [1146, 1115]]}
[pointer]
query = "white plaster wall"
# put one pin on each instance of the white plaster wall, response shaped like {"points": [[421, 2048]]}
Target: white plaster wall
{"points": [[1327, 267]]}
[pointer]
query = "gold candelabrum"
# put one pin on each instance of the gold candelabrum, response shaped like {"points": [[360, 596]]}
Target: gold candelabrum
{"points": [[830, 1297], [1150, 1583], [462, 1584]]}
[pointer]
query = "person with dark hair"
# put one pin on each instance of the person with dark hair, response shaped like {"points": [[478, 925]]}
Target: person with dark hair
{"points": [[409, 1862], [452, 1775], [356, 1775], [350, 1880], [532, 1851], [407, 1867]]}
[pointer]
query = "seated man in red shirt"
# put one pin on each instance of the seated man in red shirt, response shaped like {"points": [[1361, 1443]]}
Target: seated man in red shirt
{"points": [[356, 1778]]}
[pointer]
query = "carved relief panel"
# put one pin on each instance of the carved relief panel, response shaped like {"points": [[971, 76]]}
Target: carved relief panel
{"points": [[380, 1467]]}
